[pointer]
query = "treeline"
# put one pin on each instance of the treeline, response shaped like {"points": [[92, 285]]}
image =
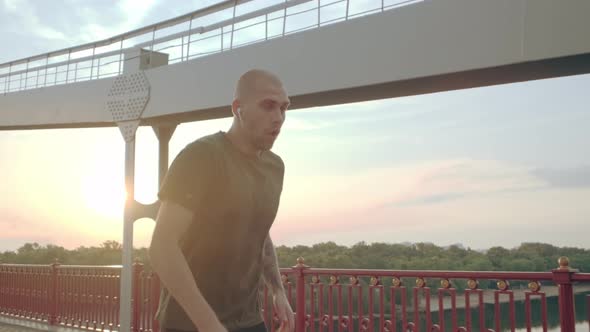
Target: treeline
{"points": [[418, 256], [427, 256], [108, 253]]}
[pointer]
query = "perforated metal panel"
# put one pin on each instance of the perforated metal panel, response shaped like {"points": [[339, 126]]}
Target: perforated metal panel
{"points": [[128, 129], [127, 100]]}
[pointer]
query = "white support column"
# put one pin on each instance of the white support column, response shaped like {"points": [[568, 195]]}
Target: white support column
{"points": [[164, 134], [128, 220], [126, 102]]}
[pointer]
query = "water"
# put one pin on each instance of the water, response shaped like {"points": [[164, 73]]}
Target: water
{"points": [[489, 317], [580, 327], [520, 322]]}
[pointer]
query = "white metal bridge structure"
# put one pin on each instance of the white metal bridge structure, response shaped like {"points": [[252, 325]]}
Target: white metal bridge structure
{"points": [[325, 51]]}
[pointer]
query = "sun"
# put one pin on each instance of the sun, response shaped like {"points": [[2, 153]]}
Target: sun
{"points": [[104, 196]]}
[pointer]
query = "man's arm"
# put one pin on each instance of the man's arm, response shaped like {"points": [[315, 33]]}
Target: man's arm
{"points": [[271, 273], [168, 262], [272, 277]]}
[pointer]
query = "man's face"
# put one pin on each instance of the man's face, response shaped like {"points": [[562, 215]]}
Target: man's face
{"points": [[263, 113]]}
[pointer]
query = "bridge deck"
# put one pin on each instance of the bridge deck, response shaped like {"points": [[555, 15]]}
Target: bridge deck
{"points": [[9, 324], [16, 328]]}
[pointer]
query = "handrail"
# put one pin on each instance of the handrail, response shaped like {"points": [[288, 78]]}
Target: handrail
{"points": [[62, 66], [83, 296], [133, 33], [200, 30], [107, 267], [538, 276], [238, 19]]}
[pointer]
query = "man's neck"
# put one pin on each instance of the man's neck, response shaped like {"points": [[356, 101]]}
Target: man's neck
{"points": [[241, 143]]}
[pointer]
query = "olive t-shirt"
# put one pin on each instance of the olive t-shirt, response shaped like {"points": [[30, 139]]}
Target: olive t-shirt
{"points": [[235, 199]]}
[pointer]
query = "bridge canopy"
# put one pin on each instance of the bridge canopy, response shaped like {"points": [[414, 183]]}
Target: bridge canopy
{"points": [[334, 53]]}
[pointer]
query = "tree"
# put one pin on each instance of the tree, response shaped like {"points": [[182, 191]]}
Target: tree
{"points": [[497, 255], [419, 256]]}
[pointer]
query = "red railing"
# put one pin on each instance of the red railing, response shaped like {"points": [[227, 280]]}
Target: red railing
{"points": [[76, 296], [385, 300], [146, 294], [86, 297]]}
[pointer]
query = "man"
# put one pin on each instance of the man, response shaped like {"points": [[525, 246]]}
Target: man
{"points": [[211, 246]]}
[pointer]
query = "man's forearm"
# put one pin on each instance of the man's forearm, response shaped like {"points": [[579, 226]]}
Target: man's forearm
{"points": [[176, 276], [271, 273]]}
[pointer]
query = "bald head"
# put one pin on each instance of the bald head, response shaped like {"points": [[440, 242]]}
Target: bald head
{"points": [[259, 109], [254, 82]]}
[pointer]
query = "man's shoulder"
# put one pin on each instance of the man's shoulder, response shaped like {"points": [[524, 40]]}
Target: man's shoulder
{"points": [[275, 160], [200, 153], [203, 146]]}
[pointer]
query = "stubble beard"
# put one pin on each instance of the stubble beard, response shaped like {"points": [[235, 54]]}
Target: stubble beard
{"points": [[263, 143]]}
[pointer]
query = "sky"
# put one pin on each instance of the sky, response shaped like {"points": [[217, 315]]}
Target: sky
{"points": [[483, 167]]}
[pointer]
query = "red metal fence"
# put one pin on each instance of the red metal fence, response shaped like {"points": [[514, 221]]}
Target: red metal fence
{"points": [[77, 296], [385, 300], [323, 299]]}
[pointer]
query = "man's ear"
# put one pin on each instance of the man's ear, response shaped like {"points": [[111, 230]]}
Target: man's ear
{"points": [[236, 108]]}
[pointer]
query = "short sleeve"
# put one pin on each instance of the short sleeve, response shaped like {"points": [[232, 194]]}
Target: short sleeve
{"points": [[188, 181]]}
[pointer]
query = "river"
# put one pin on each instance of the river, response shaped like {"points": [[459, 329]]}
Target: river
{"points": [[489, 317]]}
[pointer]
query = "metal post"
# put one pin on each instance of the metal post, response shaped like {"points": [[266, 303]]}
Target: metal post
{"points": [[37, 78], [26, 74], [120, 56], [151, 47], [562, 276], [7, 86], [128, 219], [347, 9], [155, 301], [319, 9], [231, 41], [137, 269], [182, 48], [284, 19], [68, 66], [45, 77], [188, 42], [92, 62], [97, 69], [53, 302], [300, 300], [164, 134]]}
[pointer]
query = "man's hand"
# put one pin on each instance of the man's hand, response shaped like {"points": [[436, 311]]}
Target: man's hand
{"points": [[284, 313], [272, 277]]}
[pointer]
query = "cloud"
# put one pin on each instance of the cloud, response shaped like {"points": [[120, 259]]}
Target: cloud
{"points": [[30, 29], [464, 179], [413, 183], [577, 177], [432, 201], [297, 123], [30, 16], [480, 203], [362, 113]]}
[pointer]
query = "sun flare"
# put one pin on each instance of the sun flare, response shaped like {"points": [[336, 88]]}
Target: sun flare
{"points": [[105, 197]]}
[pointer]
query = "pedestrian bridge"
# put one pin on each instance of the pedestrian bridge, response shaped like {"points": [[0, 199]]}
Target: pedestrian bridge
{"points": [[326, 52], [342, 51]]}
